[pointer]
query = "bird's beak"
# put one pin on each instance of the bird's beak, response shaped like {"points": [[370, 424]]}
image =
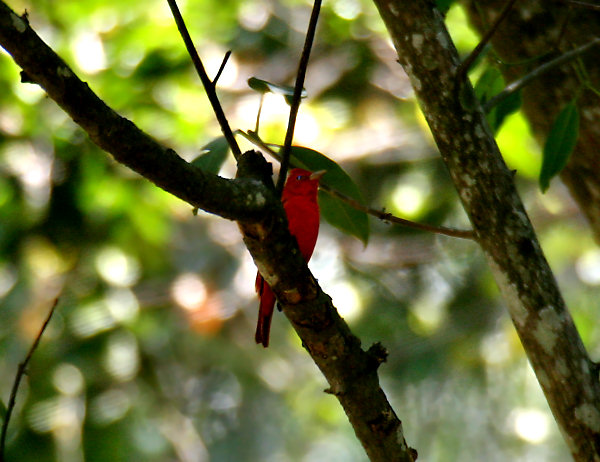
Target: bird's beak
{"points": [[317, 175]]}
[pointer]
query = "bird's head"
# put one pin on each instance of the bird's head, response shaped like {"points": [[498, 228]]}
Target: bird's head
{"points": [[302, 182]]}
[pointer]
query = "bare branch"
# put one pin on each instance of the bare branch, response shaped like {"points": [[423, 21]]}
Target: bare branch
{"points": [[233, 199], [588, 5], [222, 67], [297, 97], [467, 63], [19, 375], [386, 216], [209, 86], [537, 73]]}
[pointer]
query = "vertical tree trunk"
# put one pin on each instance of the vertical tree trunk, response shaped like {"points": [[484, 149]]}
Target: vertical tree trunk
{"points": [[503, 230]]}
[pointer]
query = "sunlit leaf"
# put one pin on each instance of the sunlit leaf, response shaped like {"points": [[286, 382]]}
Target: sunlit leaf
{"points": [[338, 213], [212, 156], [559, 144]]}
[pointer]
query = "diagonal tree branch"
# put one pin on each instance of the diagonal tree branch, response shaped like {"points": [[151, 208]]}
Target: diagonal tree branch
{"points": [[233, 199], [487, 191], [350, 371]]}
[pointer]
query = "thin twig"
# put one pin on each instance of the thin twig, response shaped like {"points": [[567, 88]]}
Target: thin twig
{"points": [[221, 68], [382, 215], [206, 82], [587, 5], [20, 373], [537, 72], [295, 105], [386, 216], [467, 63]]}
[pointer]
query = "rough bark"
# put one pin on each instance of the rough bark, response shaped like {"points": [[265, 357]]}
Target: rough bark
{"points": [[503, 230], [545, 29], [350, 371]]}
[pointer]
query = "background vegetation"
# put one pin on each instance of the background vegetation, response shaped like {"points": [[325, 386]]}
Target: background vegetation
{"points": [[151, 354]]}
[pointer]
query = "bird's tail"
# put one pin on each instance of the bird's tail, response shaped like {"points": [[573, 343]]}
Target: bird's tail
{"points": [[265, 311]]}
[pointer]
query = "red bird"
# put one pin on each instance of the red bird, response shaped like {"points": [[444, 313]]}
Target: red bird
{"points": [[299, 200]]}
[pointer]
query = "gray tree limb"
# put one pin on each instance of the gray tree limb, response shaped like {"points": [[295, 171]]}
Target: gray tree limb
{"points": [[485, 185]]}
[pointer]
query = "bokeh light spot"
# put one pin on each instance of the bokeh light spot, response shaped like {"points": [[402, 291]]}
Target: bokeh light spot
{"points": [[254, 15], [408, 198], [588, 267], [347, 9], [122, 304], [109, 406], [91, 319], [68, 379], [8, 278], [277, 374], [188, 291], [122, 357], [116, 267], [346, 298], [89, 52], [531, 425]]}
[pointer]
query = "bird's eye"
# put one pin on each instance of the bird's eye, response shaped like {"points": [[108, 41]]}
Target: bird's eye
{"points": [[300, 177]]}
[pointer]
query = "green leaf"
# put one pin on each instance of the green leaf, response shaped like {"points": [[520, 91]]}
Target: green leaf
{"points": [[212, 155], [337, 213], [262, 86], [490, 84], [443, 5], [559, 144], [159, 64], [506, 107]]}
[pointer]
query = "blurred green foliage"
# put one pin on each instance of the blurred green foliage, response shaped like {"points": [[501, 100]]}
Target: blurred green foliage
{"points": [[150, 355]]}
